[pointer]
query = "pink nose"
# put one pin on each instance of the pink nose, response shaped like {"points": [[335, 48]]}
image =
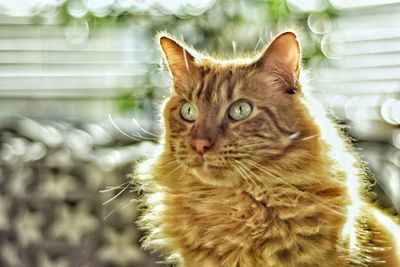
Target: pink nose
{"points": [[201, 145]]}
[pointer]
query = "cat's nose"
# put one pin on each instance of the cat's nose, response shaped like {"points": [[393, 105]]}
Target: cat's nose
{"points": [[201, 144]]}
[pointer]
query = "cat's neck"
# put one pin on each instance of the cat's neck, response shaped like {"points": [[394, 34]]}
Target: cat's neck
{"points": [[285, 224]]}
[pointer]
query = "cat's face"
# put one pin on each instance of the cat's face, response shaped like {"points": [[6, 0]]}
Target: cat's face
{"points": [[225, 119]]}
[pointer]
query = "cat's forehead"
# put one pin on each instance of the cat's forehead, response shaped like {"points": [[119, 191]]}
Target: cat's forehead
{"points": [[221, 83]]}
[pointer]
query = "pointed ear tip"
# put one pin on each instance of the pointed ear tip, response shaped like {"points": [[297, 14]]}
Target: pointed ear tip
{"points": [[290, 34], [163, 39]]}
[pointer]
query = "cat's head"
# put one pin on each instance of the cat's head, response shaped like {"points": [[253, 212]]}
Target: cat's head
{"points": [[227, 119]]}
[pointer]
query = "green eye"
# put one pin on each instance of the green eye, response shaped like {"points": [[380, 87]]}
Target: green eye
{"points": [[240, 110], [188, 112]]}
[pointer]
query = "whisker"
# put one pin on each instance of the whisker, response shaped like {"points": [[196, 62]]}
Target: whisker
{"points": [[117, 195], [141, 137], [269, 172], [113, 188], [119, 129], [256, 144], [149, 138], [262, 169], [244, 170], [142, 129], [121, 206], [240, 172], [295, 135], [308, 137], [183, 172], [165, 162], [175, 169], [257, 177]]}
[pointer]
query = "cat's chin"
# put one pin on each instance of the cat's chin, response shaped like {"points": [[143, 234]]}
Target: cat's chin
{"points": [[214, 176]]}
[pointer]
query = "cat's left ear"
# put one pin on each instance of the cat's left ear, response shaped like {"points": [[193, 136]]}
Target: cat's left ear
{"points": [[180, 60], [284, 50]]}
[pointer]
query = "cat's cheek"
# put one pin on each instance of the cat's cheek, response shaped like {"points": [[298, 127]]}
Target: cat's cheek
{"points": [[176, 125]]}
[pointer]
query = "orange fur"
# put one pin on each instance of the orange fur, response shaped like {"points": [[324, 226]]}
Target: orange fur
{"points": [[280, 188]]}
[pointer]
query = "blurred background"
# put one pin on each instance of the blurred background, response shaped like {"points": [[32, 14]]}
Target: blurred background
{"points": [[80, 85]]}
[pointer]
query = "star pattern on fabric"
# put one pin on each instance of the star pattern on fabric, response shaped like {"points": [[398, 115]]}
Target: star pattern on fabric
{"points": [[73, 222], [50, 203], [27, 227], [120, 247], [21, 178], [9, 254], [57, 187], [45, 261]]}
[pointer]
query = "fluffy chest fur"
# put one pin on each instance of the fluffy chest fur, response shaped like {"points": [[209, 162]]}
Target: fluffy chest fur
{"points": [[245, 225], [233, 228]]}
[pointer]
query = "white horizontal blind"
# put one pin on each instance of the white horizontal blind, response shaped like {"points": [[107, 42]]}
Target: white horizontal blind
{"points": [[361, 69], [73, 71], [44, 60]]}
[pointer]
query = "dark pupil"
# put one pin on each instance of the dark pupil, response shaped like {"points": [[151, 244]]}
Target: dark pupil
{"points": [[240, 109], [189, 110]]}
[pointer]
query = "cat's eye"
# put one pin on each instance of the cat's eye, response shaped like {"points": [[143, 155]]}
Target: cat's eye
{"points": [[188, 112], [240, 110]]}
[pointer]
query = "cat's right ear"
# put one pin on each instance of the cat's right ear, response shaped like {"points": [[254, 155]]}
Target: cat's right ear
{"points": [[180, 61], [284, 51]]}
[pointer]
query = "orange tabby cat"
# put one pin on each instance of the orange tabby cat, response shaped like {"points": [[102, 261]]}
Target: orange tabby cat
{"points": [[250, 172]]}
